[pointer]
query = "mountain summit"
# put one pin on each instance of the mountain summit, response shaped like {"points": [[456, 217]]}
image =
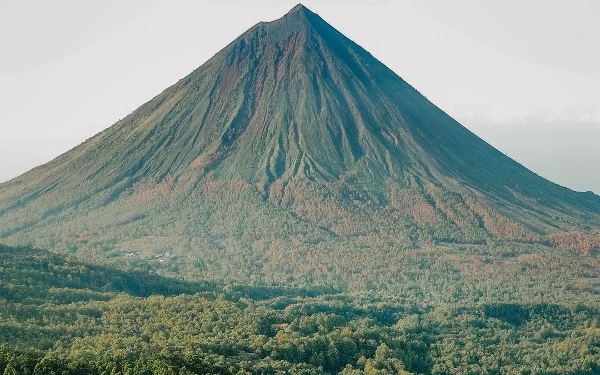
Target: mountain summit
{"points": [[291, 138]]}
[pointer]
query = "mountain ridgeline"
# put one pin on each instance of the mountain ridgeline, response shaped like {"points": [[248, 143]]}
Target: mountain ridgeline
{"points": [[292, 154]]}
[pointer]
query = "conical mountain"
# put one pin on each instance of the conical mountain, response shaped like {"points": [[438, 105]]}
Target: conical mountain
{"points": [[291, 133]]}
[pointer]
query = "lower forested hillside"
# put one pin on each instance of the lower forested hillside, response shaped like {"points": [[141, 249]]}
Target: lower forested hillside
{"points": [[61, 316]]}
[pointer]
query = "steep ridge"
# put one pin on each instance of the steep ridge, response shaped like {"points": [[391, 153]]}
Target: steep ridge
{"points": [[309, 137]]}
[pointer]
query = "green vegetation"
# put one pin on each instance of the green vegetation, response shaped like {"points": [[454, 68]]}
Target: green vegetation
{"points": [[61, 316]]}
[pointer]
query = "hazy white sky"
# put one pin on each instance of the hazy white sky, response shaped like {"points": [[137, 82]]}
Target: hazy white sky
{"points": [[523, 75]]}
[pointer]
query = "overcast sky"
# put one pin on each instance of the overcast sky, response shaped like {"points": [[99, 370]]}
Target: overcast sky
{"points": [[523, 75]]}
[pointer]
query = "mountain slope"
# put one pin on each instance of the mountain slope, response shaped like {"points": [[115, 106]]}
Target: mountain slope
{"points": [[289, 139]]}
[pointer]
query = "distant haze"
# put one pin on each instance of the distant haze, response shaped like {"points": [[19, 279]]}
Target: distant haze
{"points": [[524, 76]]}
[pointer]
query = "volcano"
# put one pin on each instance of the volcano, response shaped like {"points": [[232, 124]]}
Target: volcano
{"points": [[291, 149]]}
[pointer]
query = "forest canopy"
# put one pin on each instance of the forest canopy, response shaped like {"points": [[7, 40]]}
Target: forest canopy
{"points": [[62, 316]]}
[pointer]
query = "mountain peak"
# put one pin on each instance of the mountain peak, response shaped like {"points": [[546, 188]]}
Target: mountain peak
{"points": [[299, 19], [299, 12], [298, 8]]}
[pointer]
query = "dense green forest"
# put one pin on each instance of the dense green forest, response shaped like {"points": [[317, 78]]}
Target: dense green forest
{"points": [[62, 316]]}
